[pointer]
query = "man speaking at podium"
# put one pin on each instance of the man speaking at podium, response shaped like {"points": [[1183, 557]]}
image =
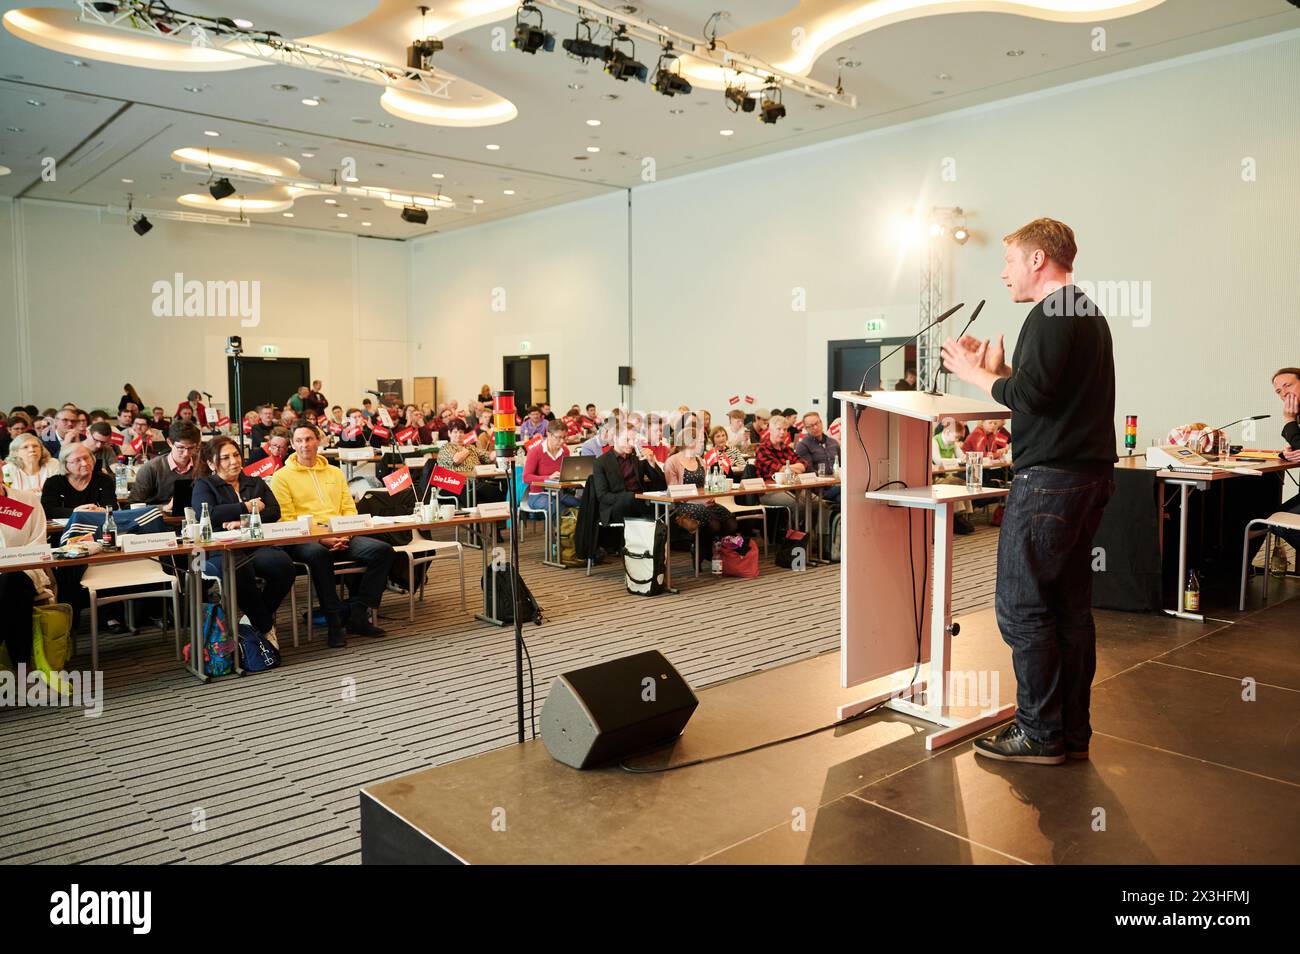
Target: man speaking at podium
{"points": [[1060, 387]]}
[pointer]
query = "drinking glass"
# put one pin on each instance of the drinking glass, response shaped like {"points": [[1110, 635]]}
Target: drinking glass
{"points": [[975, 470]]}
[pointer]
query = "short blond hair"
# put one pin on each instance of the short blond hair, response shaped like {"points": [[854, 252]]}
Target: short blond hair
{"points": [[1056, 239]]}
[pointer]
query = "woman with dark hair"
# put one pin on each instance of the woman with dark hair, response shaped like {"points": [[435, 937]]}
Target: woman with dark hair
{"points": [[197, 411], [131, 396], [229, 494]]}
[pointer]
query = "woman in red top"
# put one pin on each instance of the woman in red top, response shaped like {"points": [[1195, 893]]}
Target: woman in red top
{"points": [[543, 462]]}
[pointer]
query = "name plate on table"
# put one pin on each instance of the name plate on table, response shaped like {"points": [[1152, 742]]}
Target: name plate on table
{"points": [[355, 453], [753, 483], [148, 542], [682, 490], [290, 528], [33, 553], [358, 521], [808, 478], [501, 509], [488, 470]]}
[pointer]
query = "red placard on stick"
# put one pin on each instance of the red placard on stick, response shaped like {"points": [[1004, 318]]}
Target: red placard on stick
{"points": [[407, 435], [397, 481], [117, 439], [382, 433], [263, 468], [447, 479]]}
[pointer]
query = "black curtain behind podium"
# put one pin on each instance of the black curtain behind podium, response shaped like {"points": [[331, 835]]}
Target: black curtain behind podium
{"points": [[1129, 536]]}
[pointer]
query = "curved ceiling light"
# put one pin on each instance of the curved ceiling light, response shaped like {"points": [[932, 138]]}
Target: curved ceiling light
{"points": [[826, 23], [229, 160], [418, 108], [61, 31], [275, 199]]}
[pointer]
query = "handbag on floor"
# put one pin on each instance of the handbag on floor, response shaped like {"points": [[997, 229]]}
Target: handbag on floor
{"points": [[742, 562], [529, 610], [256, 654], [645, 544]]}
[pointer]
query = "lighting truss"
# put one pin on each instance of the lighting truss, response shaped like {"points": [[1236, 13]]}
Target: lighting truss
{"points": [[176, 215], [161, 23], [440, 201], [684, 44]]}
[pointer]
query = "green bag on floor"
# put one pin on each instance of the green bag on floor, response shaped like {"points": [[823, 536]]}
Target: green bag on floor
{"points": [[568, 533]]}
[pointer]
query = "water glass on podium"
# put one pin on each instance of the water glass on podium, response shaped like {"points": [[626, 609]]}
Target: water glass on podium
{"points": [[975, 470]]}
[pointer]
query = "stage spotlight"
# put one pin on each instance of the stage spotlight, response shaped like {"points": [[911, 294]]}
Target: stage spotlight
{"points": [[582, 46], [738, 100], [415, 215], [771, 108], [221, 189], [141, 225], [960, 234], [419, 55], [624, 66], [666, 81], [529, 37]]}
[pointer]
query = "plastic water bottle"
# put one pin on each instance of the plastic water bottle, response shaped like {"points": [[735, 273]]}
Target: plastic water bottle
{"points": [[120, 480], [205, 525], [255, 525], [716, 566]]}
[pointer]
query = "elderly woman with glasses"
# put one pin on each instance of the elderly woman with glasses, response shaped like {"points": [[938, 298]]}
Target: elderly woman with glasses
{"points": [[29, 463]]}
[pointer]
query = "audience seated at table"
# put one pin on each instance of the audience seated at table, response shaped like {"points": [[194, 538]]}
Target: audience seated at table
{"points": [[990, 438], [687, 467], [131, 396], [309, 486], [65, 431], [79, 485], [276, 445], [601, 441], [654, 441], [534, 425], [231, 494], [192, 408], [773, 455], [19, 592], [738, 433], [818, 452], [100, 441], [622, 473], [357, 432], [543, 462], [735, 460], [758, 427], [946, 450], [29, 464], [155, 482]]}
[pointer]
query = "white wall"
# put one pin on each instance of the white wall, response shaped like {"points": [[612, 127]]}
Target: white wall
{"points": [[559, 278], [1146, 166], [84, 302]]}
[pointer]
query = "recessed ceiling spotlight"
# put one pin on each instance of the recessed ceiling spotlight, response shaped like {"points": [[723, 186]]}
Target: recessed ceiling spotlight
{"points": [[818, 105], [492, 146], [610, 96], [593, 149], [309, 155], [848, 64], [385, 125], [211, 132], [478, 201], [77, 63], [726, 132], [193, 89], [366, 224], [351, 179], [1015, 52], [1122, 44], [580, 158], [14, 129], [676, 112], [35, 102], [509, 192], [575, 86], [283, 87], [936, 92], [287, 215], [340, 215], [128, 181], [593, 122], [331, 201], [312, 101], [5, 170], [243, 24], [361, 120], [943, 76], [438, 175]]}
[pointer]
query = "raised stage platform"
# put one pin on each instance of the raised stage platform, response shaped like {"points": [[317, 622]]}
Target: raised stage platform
{"points": [[1186, 771]]}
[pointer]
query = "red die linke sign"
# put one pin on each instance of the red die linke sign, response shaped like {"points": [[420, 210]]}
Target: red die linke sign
{"points": [[448, 480], [14, 513]]}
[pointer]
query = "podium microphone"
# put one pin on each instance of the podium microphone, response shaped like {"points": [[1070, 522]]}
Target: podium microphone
{"points": [[1257, 417], [934, 387], [862, 388]]}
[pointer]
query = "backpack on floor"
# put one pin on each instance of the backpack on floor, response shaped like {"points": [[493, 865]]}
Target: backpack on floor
{"points": [[835, 537], [568, 538], [216, 644], [529, 610], [794, 542], [644, 552]]}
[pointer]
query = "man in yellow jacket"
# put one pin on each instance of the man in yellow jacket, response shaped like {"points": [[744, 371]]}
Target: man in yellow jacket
{"points": [[308, 486]]}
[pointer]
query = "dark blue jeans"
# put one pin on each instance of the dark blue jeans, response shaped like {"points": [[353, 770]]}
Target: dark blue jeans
{"points": [[376, 555], [1044, 598]]}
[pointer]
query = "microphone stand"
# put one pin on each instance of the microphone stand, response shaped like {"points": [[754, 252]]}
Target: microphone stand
{"points": [[512, 497], [934, 387], [862, 388]]}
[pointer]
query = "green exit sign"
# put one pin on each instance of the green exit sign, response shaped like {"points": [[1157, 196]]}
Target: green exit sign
{"points": [[270, 349], [875, 324]]}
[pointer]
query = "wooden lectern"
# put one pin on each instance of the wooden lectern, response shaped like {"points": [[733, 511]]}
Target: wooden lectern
{"points": [[888, 587]]}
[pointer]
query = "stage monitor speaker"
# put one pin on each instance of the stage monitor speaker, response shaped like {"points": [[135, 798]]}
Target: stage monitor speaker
{"points": [[611, 710], [624, 376]]}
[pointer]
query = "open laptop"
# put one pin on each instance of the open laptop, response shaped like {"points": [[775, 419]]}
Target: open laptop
{"points": [[576, 468], [182, 495]]}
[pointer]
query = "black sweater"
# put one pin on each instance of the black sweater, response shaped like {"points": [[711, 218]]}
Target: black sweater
{"points": [[1291, 434], [1062, 386], [59, 498], [224, 505]]}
